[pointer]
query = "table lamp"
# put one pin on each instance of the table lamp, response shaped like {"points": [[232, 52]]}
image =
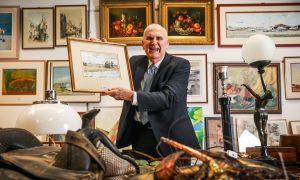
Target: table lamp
{"points": [[258, 51], [49, 116]]}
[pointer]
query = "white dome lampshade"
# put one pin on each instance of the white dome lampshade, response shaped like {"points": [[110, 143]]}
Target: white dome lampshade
{"points": [[258, 50], [49, 117]]}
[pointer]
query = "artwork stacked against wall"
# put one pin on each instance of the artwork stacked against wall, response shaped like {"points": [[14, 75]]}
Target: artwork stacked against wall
{"points": [[187, 23]]}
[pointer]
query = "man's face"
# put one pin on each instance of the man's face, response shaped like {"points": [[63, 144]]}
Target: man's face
{"points": [[155, 44]]}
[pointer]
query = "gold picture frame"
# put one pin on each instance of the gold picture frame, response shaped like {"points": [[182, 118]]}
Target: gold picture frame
{"points": [[22, 82], [188, 22], [9, 32], [59, 79], [124, 22], [97, 66]]}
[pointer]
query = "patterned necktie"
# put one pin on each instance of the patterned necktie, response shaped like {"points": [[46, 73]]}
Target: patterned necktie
{"points": [[147, 85]]}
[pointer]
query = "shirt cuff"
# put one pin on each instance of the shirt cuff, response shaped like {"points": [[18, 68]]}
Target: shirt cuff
{"points": [[134, 101]]}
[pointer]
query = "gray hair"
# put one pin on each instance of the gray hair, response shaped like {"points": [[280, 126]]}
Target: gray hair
{"points": [[152, 27]]}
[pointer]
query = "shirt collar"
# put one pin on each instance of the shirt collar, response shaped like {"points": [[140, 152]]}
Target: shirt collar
{"points": [[156, 64]]}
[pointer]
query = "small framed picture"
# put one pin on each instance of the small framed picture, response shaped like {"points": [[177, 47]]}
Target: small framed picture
{"points": [[214, 133], [37, 28], [197, 87], [125, 21], [107, 118], [59, 79], [71, 21], [242, 101], [22, 82], [275, 128], [279, 21], [188, 22], [196, 116], [97, 66], [9, 32], [292, 77], [295, 127]]}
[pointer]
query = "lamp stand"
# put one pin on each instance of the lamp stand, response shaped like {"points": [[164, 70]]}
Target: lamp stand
{"points": [[261, 117]]}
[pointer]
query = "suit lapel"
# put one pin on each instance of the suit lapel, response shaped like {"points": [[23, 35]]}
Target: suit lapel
{"points": [[163, 64], [139, 73]]}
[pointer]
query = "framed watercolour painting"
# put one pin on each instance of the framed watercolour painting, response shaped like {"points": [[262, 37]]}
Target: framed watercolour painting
{"points": [[59, 79], [37, 28], [196, 117], [292, 77], [295, 127], [242, 102], [197, 87], [97, 66], [214, 133], [279, 21], [188, 22], [71, 21], [9, 32], [124, 22], [22, 82], [275, 128]]}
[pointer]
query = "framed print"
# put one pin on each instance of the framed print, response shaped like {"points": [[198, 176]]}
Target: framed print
{"points": [[97, 66], [22, 82], [196, 117], [9, 32], [37, 28], [188, 22], [213, 133], [237, 22], [107, 118], [124, 22], [242, 101], [292, 77], [275, 128], [59, 79], [71, 21], [295, 127], [197, 87]]}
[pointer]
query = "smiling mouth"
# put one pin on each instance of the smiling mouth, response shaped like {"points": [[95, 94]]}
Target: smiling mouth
{"points": [[154, 49]]}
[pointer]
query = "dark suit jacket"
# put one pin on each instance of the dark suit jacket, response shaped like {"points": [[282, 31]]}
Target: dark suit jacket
{"points": [[165, 103]]}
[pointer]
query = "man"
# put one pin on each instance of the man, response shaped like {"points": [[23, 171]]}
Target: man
{"points": [[163, 103]]}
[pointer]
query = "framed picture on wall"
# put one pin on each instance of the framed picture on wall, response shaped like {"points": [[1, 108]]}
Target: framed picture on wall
{"points": [[125, 22], [9, 32], [97, 66], [188, 22], [242, 102], [292, 77], [37, 28], [213, 133], [59, 79], [22, 82], [237, 22], [196, 116], [71, 21], [295, 127], [275, 128], [197, 87]]}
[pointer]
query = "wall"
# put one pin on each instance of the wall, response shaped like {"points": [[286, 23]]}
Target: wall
{"points": [[9, 114]]}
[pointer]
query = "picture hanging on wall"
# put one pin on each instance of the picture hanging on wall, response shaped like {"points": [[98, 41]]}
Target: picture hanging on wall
{"points": [[295, 127], [71, 21], [9, 32], [188, 22], [59, 79], [97, 66], [37, 28], [22, 82], [213, 133], [196, 117], [292, 77], [125, 22], [275, 128], [197, 87], [279, 21], [242, 102]]}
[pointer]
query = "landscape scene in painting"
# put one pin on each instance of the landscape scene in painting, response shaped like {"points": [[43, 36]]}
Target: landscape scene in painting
{"points": [[19, 82], [295, 74], [272, 24], [5, 31]]}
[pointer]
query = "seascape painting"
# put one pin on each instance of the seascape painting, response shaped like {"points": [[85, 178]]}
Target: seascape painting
{"points": [[19, 82], [100, 65], [196, 116], [5, 31], [272, 24]]}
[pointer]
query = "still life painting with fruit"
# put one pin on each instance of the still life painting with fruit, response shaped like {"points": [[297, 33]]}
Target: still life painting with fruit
{"points": [[127, 22], [186, 21]]}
